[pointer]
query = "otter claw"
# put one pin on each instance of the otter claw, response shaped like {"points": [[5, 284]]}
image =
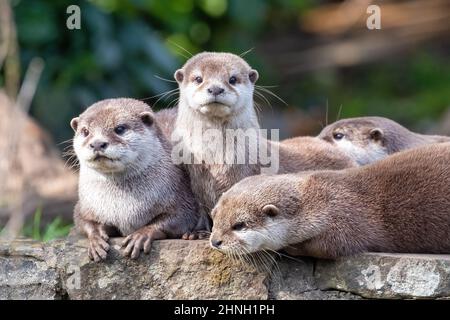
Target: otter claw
{"points": [[98, 248], [196, 235]]}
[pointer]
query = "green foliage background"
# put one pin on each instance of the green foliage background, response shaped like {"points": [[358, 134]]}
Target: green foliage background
{"points": [[123, 44]]}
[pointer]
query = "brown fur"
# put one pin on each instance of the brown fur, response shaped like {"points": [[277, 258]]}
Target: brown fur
{"points": [[399, 204], [155, 195], [166, 119], [311, 153]]}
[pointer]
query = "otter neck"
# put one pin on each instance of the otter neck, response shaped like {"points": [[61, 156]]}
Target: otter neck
{"points": [[334, 204], [317, 208], [206, 137]]}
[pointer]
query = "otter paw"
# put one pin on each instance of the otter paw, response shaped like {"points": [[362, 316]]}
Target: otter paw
{"points": [[196, 235], [135, 242], [98, 248], [141, 239]]}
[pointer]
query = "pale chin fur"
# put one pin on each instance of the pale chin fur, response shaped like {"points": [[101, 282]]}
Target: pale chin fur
{"points": [[371, 153], [270, 237]]}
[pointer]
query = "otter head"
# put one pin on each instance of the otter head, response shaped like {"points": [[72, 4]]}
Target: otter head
{"points": [[255, 214], [360, 139], [216, 85], [115, 136]]}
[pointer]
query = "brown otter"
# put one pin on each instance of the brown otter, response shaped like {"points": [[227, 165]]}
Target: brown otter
{"points": [[368, 139], [128, 185], [398, 204], [216, 101]]}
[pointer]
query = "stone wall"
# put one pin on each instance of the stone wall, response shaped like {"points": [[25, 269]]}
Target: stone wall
{"points": [[177, 269]]}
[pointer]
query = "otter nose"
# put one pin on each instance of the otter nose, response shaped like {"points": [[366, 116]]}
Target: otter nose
{"points": [[216, 243], [99, 145], [215, 90]]}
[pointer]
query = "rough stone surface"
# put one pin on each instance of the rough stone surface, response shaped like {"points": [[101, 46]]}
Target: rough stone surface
{"points": [[174, 269], [294, 279], [27, 271], [177, 269], [381, 275]]}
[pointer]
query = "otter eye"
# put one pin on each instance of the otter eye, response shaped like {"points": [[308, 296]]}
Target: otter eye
{"points": [[238, 226], [198, 80], [232, 80], [120, 130], [84, 132], [338, 136]]}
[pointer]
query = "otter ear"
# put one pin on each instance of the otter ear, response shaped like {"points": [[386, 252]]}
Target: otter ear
{"points": [[376, 134], [253, 75], [74, 123], [147, 118], [271, 210], [179, 75]]}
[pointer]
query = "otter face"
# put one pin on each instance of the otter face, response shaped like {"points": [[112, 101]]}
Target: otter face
{"points": [[251, 216], [247, 232], [216, 84], [365, 144], [111, 139]]}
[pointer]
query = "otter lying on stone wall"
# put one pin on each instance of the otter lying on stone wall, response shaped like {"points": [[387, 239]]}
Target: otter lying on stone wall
{"points": [[398, 204]]}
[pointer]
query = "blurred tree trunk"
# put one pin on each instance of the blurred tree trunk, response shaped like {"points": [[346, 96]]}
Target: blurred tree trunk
{"points": [[32, 173]]}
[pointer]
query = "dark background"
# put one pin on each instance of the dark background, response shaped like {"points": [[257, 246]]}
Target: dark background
{"points": [[298, 46]]}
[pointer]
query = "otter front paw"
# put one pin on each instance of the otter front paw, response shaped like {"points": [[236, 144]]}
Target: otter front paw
{"points": [[98, 247], [196, 235], [141, 239]]}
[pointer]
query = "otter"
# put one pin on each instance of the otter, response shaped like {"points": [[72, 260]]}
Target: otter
{"points": [[216, 95], [128, 185], [398, 204], [368, 139]]}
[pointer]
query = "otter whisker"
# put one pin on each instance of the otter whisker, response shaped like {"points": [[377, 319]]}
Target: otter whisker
{"points": [[243, 54], [173, 102], [273, 86], [66, 141], [266, 267], [181, 47], [262, 97], [271, 93], [160, 94], [253, 258], [163, 79], [275, 270], [339, 113], [165, 96]]}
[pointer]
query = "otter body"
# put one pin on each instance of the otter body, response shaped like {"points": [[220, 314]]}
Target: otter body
{"points": [[128, 185], [368, 139], [399, 204]]}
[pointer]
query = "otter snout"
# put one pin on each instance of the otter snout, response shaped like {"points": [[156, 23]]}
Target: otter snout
{"points": [[216, 243], [98, 145], [215, 90]]}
